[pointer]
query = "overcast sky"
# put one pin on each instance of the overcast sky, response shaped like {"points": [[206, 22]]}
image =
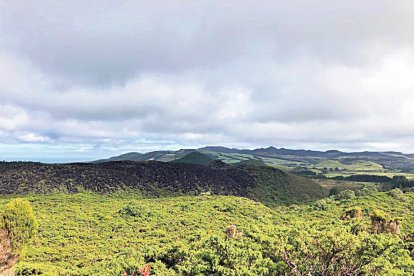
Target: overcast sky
{"points": [[90, 79]]}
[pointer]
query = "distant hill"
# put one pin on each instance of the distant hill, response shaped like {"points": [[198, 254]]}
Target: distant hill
{"points": [[162, 155], [195, 158], [252, 162], [132, 156], [152, 178], [283, 158]]}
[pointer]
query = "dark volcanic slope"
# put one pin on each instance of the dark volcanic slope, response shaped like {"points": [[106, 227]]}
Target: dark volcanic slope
{"points": [[158, 178]]}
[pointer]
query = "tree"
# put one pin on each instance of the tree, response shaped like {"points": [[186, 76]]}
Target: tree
{"points": [[334, 191]]}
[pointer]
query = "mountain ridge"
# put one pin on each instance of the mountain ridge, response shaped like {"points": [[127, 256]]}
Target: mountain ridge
{"points": [[388, 159]]}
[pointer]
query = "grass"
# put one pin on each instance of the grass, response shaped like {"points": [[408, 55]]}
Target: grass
{"points": [[233, 158], [390, 174], [360, 166], [345, 185], [357, 167], [195, 158]]}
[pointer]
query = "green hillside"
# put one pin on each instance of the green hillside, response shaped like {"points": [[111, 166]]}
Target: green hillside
{"points": [[274, 187], [195, 158], [132, 156], [252, 162], [329, 163], [91, 234], [362, 166]]}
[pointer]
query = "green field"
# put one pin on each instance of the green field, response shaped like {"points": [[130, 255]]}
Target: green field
{"points": [[328, 163], [330, 168], [333, 168], [364, 166], [233, 158], [90, 234]]}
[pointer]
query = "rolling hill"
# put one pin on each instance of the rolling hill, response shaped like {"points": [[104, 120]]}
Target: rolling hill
{"points": [[153, 178], [195, 158], [329, 163]]}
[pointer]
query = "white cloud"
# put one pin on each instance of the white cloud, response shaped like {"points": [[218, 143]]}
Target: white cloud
{"points": [[32, 138]]}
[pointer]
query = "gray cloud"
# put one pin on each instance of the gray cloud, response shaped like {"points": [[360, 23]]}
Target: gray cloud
{"points": [[110, 41], [105, 74]]}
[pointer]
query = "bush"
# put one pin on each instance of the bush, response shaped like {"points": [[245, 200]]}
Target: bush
{"points": [[334, 191], [379, 215], [382, 222], [352, 213], [323, 204], [347, 194], [19, 222], [366, 191], [338, 251], [136, 211], [397, 194]]}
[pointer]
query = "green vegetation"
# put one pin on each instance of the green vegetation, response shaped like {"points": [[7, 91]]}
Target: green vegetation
{"points": [[186, 218], [363, 166], [253, 162], [279, 187], [195, 158], [17, 226], [358, 170], [91, 234], [329, 163], [19, 221]]}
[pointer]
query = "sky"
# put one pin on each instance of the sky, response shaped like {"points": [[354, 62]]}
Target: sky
{"points": [[81, 80]]}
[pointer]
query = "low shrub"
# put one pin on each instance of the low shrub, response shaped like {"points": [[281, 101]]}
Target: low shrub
{"points": [[136, 211], [352, 213], [347, 194], [366, 191], [19, 222], [397, 194]]}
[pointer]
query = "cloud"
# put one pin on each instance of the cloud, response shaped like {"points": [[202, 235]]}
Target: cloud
{"points": [[32, 138], [103, 75], [104, 42]]}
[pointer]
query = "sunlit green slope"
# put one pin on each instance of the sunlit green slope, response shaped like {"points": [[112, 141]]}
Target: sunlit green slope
{"points": [[90, 234]]}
